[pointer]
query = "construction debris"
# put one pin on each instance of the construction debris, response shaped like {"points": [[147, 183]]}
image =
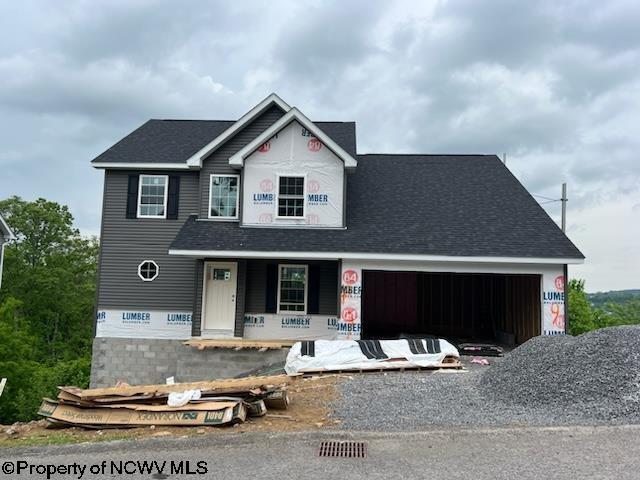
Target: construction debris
{"points": [[481, 349], [322, 356], [212, 403]]}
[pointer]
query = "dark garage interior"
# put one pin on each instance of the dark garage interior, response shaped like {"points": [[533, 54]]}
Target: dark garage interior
{"points": [[462, 306]]}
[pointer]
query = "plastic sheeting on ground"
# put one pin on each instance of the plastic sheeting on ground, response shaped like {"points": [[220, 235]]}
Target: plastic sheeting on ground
{"points": [[331, 355]]}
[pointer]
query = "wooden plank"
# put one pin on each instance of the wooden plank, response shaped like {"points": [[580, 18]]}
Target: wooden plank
{"points": [[447, 363], [231, 384], [444, 366], [238, 343]]}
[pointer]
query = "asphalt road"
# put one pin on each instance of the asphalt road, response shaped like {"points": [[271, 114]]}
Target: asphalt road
{"points": [[511, 453]]}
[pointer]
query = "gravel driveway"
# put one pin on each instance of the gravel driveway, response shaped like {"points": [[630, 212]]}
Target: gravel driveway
{"points": [[396, 401]]}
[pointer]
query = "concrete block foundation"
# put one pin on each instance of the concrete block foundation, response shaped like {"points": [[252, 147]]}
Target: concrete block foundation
{"points": [[143, 361]]}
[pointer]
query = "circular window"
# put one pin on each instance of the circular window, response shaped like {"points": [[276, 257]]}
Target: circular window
{"points": [[148, 270]]}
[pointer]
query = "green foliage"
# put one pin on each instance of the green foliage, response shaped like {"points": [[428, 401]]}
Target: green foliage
{"points": [[46, 306], [583, 317], [599, 299], [51, 269], [580, 313]]}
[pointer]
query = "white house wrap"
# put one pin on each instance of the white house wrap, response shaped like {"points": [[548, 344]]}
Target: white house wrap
{"points": [[293, 151]]}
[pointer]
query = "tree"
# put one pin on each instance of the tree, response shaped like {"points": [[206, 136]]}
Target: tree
{"points": [[46, 306], [581, 317], [626, 313], [51, 269]]}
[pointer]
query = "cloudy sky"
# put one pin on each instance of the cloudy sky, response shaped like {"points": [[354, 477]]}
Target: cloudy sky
{"points": [[555, 85]]}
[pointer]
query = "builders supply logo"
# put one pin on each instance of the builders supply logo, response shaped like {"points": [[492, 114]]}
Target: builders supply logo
{"points": [[350, 288], [265, 218], [332, 323], [313, 186], [263, 198], [554, 303], [349, 277], [295, 322], [254, 321], [266, 185], [101, 317], [348, 328], [349, 315], [265, 195], [314, 145], [136, 318], [178, 319], [265, 147]]}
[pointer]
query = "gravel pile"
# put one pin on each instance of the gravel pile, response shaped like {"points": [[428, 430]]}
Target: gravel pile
{"points": [[586, 380], [596, 374]]}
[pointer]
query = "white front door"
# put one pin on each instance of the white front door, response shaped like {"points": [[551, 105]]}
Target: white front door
{"points": [[219, 302]]}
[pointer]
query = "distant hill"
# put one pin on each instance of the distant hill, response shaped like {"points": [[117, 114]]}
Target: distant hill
{"points": [[613, 296]]}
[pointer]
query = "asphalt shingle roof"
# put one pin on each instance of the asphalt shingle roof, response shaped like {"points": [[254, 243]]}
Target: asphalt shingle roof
{"points": [[453, 205], [174, 141]]}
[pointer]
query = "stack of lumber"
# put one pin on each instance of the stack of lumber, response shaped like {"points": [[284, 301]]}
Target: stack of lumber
{"points": [[220, 402]]}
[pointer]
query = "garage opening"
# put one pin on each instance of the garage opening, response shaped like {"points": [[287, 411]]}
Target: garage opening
{"points": [[461, 306]]}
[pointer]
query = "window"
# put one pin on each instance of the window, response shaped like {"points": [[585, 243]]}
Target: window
{"points": [[292, 289], [148, 270], [223, 274], [223, 196], [152, 196], [291, 197]]}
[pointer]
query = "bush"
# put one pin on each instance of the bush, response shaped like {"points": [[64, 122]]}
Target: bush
{"points": [[28, 382]]}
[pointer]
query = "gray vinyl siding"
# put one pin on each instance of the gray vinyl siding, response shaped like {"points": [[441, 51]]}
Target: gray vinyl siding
{"points": [[256, 294], [127, 242], [218, 161]]}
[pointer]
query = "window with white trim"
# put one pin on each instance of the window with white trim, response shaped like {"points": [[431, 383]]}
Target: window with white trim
{"points": [[291, 197], [152, 196], [292, 289], [223, 196], [148, 270]]}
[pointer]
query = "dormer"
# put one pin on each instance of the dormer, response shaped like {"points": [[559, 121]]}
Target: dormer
{"points": [[293, 176]]}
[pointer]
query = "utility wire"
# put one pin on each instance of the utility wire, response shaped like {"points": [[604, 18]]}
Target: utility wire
{"points": [[546, 198]]}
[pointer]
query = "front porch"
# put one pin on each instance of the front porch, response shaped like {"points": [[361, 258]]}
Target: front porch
{"points": [[265, 299]]}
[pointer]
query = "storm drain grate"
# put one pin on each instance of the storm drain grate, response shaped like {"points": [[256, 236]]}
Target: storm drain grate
{"points": [[343, 449]]}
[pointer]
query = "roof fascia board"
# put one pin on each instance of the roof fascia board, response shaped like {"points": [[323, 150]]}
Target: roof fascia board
{"points": [[141, 166], [237, 160], [195, 161], [8, 233], [370, 256]]}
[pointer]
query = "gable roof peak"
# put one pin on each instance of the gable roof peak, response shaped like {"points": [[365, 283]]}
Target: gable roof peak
{"points": [[195, 161], [237, 159]]}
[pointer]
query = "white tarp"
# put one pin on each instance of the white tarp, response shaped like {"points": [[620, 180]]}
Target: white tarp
{"points": [[269, 326], [293, 151], [143, 324], [347, 354]]}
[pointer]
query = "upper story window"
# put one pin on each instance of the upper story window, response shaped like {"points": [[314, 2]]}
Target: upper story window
{"points": [[292, 289], [223, 196], [291, 197], [152, 196]]}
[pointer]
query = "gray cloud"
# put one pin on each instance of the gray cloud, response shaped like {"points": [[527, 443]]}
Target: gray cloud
{"points": [[554, 84]]}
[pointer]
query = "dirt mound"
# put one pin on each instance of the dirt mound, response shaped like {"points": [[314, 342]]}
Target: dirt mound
{"points": [[597, 374]]}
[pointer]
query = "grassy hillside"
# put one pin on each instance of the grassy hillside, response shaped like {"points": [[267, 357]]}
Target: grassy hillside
{"points": [[598, 299]]}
